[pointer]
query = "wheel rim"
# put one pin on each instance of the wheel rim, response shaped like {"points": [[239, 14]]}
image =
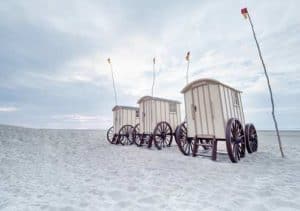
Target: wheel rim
{"points": [[235, 140], [110, 134], [125, 135], [163, 135], [137, 137], [184, 143], [251, 138]]}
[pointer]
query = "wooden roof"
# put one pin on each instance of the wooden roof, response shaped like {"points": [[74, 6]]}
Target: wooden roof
{"points": [[117, 107], [203, 81], [156, 99]]}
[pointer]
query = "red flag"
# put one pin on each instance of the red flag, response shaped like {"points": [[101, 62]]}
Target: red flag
{"points": [[244, 12]]}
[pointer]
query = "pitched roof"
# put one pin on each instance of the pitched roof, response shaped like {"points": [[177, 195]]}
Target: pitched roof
{"points": [[117, 107], [156, 99], [203, 81]]}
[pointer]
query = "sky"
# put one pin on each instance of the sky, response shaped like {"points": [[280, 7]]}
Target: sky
{"points": [[53, 57]]}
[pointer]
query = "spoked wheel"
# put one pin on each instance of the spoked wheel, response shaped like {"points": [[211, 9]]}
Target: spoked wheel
{"points": [[184, 143], [162, 135], [110, 134], [137, 137], [251, 138], [125, 135], [202, 141], [235, 140]]}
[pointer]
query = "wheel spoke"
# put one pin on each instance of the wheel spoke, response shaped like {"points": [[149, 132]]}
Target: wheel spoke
{"points": [[189, 147], [186, 147]]}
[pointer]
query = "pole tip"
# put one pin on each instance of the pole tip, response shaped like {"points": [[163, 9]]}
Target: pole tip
{"points": [[187, 57]]}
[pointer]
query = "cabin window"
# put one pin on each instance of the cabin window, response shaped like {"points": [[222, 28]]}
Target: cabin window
{"points": [[173, 107], [236, 99], [137, 114]]}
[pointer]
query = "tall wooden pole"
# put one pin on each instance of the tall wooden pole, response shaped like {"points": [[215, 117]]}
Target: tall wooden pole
{"points": [[187, 58], [153, 82], [268, 80], [152, 90], [113, 79]]}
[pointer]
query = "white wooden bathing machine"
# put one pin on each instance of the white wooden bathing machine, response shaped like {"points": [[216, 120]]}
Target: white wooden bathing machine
{"points": [[209, 104], [154, 110], [124, 115]]}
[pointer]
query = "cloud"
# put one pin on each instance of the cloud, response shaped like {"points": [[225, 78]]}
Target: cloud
{"points": [[53, 58], [8, 109], [77, 117]]}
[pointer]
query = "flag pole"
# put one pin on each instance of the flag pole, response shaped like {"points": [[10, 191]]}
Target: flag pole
{"points": [[153, 82], [113, 80], [246, 15], [152, 90], [187, 58]]}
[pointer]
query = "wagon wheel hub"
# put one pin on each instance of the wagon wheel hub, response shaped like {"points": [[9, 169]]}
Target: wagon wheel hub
{"points": [[163, 135]]}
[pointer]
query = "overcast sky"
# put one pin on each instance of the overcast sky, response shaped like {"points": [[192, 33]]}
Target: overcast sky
{"points": [[54, 73]]}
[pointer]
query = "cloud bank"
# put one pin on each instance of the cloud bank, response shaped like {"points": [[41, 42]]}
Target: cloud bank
{"points": [[53, 57]]}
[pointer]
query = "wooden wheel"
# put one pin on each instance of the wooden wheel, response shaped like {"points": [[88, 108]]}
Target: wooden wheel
{"points": [[125, 135], [235, 140], [162, 135], [251, 138], [110, 134], [184, 143], [144, 139], [137, 137]]}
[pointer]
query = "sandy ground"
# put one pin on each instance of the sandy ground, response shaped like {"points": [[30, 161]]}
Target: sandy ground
{"points": [[80, 170]]}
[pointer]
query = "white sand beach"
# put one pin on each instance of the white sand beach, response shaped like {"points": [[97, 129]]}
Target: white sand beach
{"points": [[80, 170]]}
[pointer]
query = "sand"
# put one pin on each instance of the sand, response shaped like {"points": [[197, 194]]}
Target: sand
{"points": [[80, 170]]}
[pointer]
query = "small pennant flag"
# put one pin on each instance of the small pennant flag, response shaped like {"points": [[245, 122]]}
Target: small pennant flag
{"points": [[244, 12], [153, 60], [187, 57], [108, 60]]}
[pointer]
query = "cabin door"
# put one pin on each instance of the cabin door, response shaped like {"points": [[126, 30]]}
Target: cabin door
{"points": [[194, 109], [143, 117]]}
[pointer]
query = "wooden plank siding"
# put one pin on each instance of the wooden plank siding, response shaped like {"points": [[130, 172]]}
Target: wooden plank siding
{"points": [[124, 116], [215, 104], [156, 110]]}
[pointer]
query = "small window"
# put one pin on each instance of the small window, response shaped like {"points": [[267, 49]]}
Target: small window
{"points": [[173, 107], [236, 99], [137, 113]]}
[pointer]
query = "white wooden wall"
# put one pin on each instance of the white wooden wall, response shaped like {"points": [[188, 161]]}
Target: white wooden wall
{"points": [[155, 111], [124, 116], [230, 109], [214, 107]]}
